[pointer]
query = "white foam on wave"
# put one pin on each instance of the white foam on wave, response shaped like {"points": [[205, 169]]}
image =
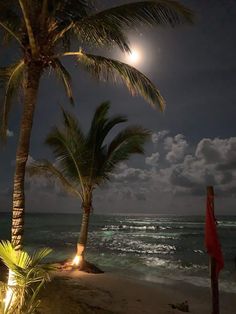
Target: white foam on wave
{"points": [[226, 223], [128, 227]]}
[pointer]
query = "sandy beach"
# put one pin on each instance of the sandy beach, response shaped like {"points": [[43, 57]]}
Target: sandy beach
{"points": [[78, 292]]}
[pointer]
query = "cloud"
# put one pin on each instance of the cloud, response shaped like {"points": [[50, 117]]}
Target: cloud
{"points": [[129, 174], [208, 151], [156, 137], [222, 151], [153, 159], [212, 162], [172, 186], [176, 147]]}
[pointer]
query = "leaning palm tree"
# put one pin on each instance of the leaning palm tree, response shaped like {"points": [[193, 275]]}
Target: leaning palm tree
{"points": [[43, 31], [85, 161]]}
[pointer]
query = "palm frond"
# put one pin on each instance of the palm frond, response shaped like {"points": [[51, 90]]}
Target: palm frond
{"points": [[68, 149], [95, 32], [72, 137], [39, 255], [163, 12], [65, 77], [65, 14], [9, 33], [98, 121], [108, 26], [62, 34], [128, 142], [101, 125], [10, 79], [71, 124], [67, 11], [9, 21], [106, 69], [109, 125], [26, 277], [25, 8], [16, 260], [47, 169], [8, 254], [131, 138]]}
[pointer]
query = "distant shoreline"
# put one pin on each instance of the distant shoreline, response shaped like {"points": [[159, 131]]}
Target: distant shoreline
{"points": [[119, 214]]}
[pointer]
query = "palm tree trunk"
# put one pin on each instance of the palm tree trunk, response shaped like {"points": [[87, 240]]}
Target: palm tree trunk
{"points": [[82, 242], [31, 85]]}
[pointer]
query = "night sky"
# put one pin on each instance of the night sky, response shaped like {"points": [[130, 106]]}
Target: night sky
{"points": [[193, 142]]}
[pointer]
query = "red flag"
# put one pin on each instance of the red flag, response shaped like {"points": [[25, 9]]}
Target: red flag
{"points": [[212, 242]]}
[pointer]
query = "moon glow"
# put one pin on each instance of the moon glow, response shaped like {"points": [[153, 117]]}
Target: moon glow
{"points": [[142, 55], [135, 57]]}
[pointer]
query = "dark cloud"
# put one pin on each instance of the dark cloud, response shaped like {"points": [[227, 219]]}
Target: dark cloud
{"points": [[140, 196]]}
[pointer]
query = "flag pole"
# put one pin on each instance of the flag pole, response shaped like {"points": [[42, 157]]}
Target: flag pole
{"points": [[214, 276]]}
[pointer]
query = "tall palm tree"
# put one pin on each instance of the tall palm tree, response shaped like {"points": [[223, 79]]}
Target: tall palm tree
{"points": [[43, 30], [85, 161]]}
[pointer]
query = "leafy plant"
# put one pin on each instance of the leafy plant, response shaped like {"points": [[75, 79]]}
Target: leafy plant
{"points": [[26, 277]]}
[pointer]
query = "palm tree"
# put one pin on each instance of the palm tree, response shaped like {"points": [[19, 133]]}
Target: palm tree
{"points": [[43, 30], [85, 161]]}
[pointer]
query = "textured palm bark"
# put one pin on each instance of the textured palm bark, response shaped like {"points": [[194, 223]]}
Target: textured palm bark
{"points": [[82, 242], [31, 85]]}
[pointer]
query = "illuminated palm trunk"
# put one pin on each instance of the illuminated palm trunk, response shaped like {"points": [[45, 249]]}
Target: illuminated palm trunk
{"points": [[31, 85], [82, 242]]}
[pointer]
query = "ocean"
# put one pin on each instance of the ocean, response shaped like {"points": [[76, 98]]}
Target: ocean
{"points": [[153, 248]]}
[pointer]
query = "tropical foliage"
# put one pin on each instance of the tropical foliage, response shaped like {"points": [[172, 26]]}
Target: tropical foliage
{"points": [[44, 31], [85, 161], [26, 277]]}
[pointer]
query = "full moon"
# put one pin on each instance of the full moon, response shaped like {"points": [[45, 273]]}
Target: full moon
{"points": [[134, 57]]}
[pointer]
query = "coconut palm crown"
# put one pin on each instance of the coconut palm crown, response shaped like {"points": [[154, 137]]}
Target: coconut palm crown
{"points": [[44, 31], [85, 161]]}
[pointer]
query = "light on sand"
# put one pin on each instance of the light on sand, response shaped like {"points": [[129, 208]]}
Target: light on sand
{"points": [[76, 260]]}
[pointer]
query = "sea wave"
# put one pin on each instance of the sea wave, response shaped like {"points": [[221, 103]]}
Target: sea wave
{"points": [[172, 264], [129, 227], [152, 227], [227, 224]]}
